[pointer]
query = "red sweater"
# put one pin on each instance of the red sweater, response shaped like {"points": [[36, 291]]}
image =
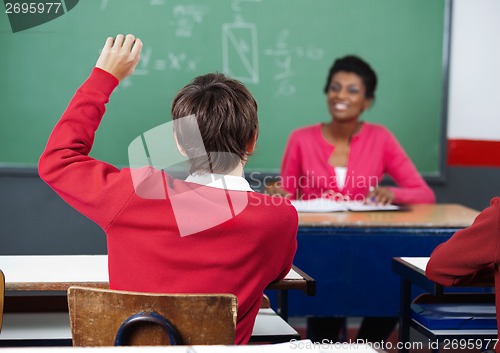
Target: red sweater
{"points": [[147, 252], [471, 254]]}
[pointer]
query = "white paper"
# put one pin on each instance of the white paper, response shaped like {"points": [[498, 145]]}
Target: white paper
{"points": [[328, 205], [360, 207], [319, 205]]}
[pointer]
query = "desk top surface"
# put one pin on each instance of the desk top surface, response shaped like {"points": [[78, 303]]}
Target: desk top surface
{"points": [[59, 272], [413, 268], [420, 216], [417, 263]]}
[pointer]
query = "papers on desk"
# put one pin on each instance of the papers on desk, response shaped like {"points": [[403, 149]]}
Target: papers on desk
{"points": [[328, 205]]}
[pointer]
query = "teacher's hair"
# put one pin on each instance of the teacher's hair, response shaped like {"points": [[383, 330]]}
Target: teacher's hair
{"points": [[221, 111], [358, 66]]}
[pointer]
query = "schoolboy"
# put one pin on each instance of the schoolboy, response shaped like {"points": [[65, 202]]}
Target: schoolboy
{"points": [[147, 250]]}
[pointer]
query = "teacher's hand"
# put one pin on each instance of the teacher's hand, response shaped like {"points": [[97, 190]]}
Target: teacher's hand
{"points": [[274, 189], [380, 195]]}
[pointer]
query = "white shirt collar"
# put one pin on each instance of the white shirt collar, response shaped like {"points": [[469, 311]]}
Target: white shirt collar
{"points": [[220, 181]]}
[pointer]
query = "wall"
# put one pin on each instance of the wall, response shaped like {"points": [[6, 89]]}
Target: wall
{"points": [[474, 120], [473, 116]]}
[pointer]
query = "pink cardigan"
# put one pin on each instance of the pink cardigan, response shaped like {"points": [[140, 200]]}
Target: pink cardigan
{"points": [[374, 151]]}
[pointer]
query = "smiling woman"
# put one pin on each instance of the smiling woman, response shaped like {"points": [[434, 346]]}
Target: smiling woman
{"points": [[345, 159], [352, 156]]}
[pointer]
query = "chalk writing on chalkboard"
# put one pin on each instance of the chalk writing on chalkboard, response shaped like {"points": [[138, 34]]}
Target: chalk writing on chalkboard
{"points": [[186, 18], [283, 61]]}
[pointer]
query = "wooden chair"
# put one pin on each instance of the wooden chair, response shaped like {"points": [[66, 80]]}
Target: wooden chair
{"points": [[2, 296], [103, 317], [265, 303]]}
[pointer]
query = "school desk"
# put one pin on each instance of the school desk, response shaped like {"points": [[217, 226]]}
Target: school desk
{"points": [[53, 329], [411, 271], [349, 255], [56, 273], [59, 272], [32, 282]]}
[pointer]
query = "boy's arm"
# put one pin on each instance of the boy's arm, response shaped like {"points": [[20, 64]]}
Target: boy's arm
{"points": [[470, 255], [83, 182]]}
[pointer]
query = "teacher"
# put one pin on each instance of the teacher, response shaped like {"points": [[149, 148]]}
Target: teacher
{"points": [[346, 158]]}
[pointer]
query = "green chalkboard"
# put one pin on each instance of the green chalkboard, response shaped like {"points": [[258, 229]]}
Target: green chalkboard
{"points": [[281, 49]]}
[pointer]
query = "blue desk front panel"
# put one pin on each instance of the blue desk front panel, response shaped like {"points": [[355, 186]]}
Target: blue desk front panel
{"points": [[352, 268]]}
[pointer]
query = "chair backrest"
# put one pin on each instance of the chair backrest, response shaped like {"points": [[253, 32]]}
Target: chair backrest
{"points": [[2, 296], [96, 316], [265, 303]]}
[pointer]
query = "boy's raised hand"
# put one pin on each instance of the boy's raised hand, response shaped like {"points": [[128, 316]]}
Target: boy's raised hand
{"points": [[120, 55]]}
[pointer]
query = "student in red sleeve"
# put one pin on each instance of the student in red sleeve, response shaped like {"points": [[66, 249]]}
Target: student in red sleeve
{"points": [[471, 254], [209, 233]]}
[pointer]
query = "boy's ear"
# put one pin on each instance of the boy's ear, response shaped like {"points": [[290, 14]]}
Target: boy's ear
{"points": [[251, 144], [179, 147]]}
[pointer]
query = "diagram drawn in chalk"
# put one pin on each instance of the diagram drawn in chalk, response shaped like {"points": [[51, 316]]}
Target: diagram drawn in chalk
{"points": [[240, 51]]}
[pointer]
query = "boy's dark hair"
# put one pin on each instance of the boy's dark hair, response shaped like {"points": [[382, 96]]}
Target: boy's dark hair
{"points": [[225, 112], [354, 64]]}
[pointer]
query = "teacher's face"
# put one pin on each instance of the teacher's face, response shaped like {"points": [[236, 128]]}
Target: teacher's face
{"points": [[346, 96]]}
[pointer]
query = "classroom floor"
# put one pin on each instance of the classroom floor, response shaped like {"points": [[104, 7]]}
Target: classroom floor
{"points": [[300, 325]]}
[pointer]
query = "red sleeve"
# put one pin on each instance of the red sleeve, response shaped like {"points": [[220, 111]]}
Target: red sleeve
{"points": [[412, 188], [470, 252], [85, 183]]}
